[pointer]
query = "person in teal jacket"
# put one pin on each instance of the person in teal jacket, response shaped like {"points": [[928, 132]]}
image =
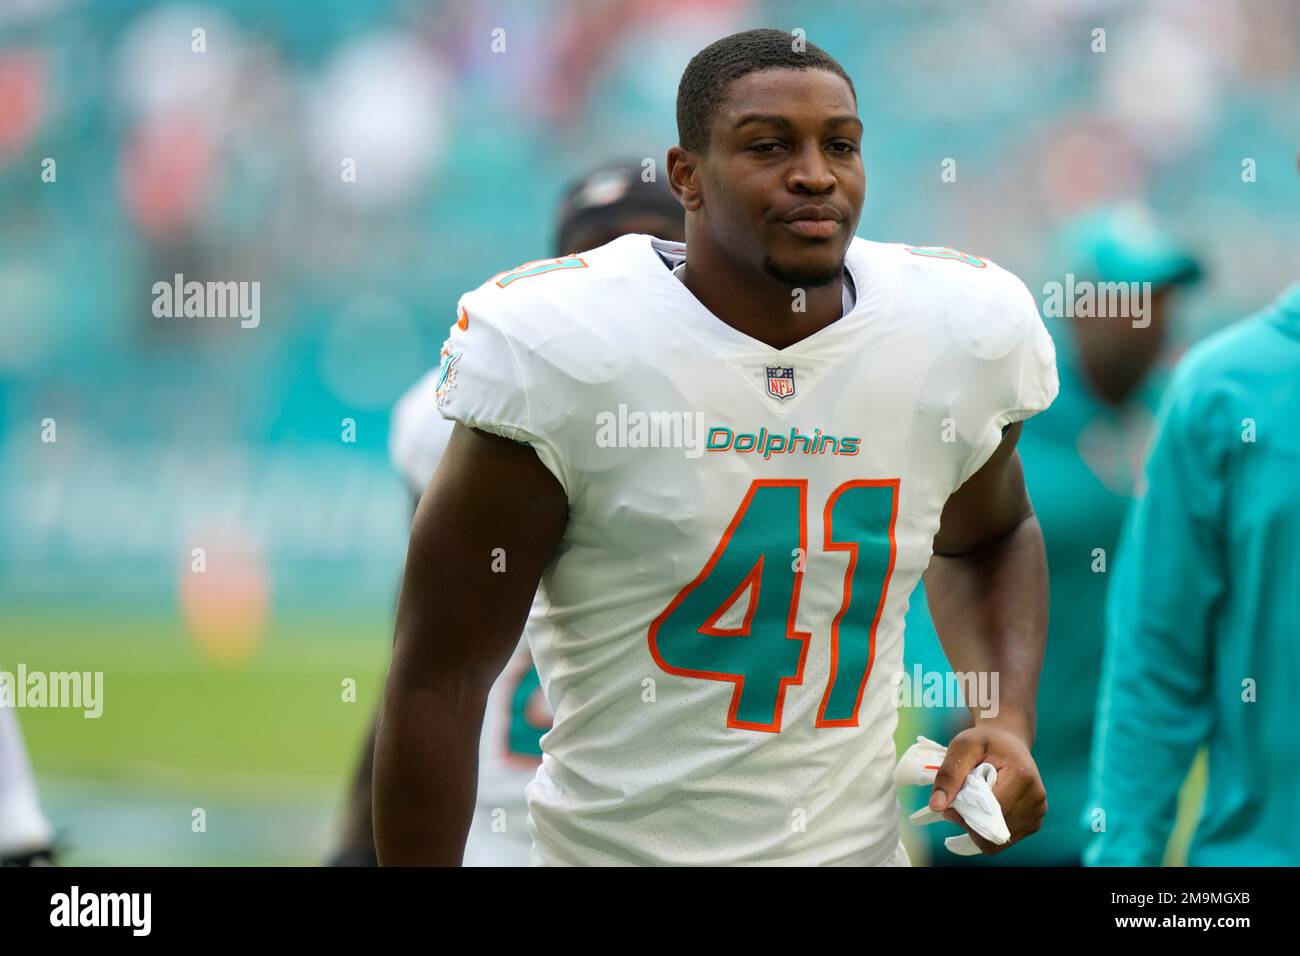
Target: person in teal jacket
{"points": [[1203, 643], [1082, 457]]}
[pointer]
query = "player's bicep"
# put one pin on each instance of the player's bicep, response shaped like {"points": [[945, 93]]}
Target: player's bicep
{"points": [[484, 531], [990, 504]]}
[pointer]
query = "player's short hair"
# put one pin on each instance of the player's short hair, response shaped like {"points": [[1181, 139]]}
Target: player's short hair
{"points": [[705, 80]]}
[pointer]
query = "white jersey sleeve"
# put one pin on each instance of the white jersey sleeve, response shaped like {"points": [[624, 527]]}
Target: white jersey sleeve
{"points": [[1004, 360], [490, 377], [1011, 309]]}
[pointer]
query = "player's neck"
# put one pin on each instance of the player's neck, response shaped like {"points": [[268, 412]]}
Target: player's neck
{"points": [[757, 305]]}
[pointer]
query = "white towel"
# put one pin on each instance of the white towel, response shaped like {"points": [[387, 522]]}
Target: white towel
{"points": [[974, 802]]}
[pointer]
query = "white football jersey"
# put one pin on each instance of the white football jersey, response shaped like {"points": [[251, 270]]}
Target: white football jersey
{"points": [[717, 630], [516, 713]]}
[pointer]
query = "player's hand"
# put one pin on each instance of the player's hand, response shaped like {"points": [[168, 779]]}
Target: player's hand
{"points": [[1019, 789]]}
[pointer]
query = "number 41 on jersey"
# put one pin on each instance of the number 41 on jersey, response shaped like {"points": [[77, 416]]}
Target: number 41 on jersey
{"points": [[766, 653]]}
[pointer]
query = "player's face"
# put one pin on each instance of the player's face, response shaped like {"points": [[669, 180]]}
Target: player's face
{"points": [[783, 181]]}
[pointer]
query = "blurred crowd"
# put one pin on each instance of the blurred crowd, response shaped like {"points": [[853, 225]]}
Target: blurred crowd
{"points": [[366, 163]]}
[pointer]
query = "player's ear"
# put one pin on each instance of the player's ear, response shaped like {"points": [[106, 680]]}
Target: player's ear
{"points": [[682, 169]]}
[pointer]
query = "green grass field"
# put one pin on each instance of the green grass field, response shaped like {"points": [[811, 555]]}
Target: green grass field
{"points": [[263, 747]]}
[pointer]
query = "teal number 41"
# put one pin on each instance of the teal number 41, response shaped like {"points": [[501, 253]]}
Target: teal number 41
{"points": [[762, 554]]}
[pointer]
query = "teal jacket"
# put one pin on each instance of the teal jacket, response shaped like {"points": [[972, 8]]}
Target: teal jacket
{"points": [[1203, 615]]}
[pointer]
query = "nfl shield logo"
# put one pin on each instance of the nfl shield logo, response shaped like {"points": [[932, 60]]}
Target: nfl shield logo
{"points": [[780, 382]]}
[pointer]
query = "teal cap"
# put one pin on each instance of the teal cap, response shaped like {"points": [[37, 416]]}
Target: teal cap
{"points": [[1123, 244]]}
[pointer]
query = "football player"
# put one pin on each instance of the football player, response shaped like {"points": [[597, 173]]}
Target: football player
{"points": [[722, 467]]}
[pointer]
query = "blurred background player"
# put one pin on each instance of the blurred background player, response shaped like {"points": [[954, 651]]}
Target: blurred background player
{"points": [[610, 201], [1201, 645], [1082, 457], [25, 834]]}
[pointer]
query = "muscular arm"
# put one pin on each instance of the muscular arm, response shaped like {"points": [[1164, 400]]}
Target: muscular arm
{"points": [[987, 584], [458, 621], [987, 591]]}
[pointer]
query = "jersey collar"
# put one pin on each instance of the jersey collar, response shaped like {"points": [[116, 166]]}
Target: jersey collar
{"points": [[871, 287]]}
